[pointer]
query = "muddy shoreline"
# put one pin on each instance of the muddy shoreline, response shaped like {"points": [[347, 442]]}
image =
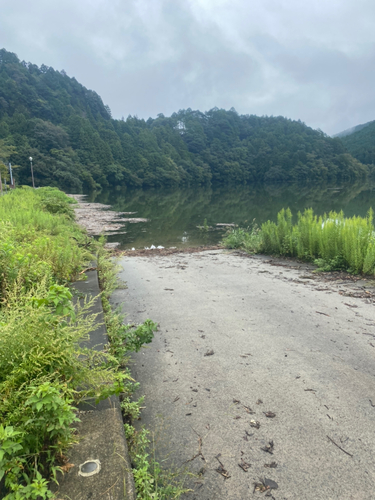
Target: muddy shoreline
{"points": [[99, 219]]}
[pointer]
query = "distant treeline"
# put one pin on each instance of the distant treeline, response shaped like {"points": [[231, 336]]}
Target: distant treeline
{"points": [[75, 144], [361, 144]]}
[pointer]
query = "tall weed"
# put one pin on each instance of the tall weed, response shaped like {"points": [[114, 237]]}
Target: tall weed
{"points": [[244, 239], [44, 371], [332, 240], [36, 243]]}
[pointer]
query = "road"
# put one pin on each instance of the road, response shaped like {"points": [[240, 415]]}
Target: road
{"points": [[248, 342]]}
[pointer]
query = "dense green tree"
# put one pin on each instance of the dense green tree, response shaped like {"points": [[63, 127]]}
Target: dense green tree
{"points": [[361, 144], [77, 145]]}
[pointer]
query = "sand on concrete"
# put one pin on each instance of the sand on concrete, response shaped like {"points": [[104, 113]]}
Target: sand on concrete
{"points": [[241, 340]]}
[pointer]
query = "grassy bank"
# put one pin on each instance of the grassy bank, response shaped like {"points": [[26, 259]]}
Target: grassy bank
{"points": [[44, 373], [41, 362], [332, 241]]}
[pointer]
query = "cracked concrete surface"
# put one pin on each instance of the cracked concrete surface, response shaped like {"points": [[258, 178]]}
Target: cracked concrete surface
{"points": [[283, 341]]}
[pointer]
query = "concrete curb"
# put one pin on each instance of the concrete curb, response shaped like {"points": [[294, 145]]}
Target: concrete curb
{"points": [[101, 432]]}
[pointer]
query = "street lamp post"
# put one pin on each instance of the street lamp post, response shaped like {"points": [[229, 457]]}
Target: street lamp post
{"points": [[32, 172], [11, 175]]}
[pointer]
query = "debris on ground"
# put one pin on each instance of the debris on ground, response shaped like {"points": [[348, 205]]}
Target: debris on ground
{"points": [[249, 410], [265, 485], [272, 485], [199, 454], [255, 424], [269, 414], [157, 252], [221, 470], [244, 465], [338, 446], [269, 447], [246, 436]]}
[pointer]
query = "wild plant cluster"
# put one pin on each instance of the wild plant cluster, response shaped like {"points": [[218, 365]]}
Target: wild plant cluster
{"points": [[332, 241], [44, 372], [152, 482]]}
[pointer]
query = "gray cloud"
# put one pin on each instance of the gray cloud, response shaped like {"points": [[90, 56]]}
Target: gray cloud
{"points": [[312, 61]]}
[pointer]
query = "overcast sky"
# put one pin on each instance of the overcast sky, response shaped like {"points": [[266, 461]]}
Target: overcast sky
{"points": [[310, 60]]}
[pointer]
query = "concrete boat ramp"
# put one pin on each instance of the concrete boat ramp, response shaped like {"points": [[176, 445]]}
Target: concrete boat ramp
{"points": [[261, 376]]}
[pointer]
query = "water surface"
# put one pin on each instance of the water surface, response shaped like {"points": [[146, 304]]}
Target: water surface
{"points": [[175, 213]]}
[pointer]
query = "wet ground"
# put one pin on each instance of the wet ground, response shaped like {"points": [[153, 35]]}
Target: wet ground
{"points": [[261, 376], [99, 219]]}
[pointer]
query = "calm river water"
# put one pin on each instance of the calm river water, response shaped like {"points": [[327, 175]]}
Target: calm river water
{"points": [[175, 213]]}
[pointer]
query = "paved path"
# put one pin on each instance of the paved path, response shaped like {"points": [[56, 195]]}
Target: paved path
{"points": [[240, 337]]}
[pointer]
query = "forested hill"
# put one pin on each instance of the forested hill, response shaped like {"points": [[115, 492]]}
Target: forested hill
{"points": [[76, 144], [361, 144], [352, 130]]}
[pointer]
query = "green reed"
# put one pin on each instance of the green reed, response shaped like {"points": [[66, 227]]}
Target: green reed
{"points": [[332, 240]]}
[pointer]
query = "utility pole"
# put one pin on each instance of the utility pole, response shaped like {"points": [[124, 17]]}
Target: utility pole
{"points": [[32, 172]]}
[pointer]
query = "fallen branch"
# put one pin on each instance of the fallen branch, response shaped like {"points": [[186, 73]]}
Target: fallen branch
{"points": [[88, 269], [221, 470], [338, 446], [199, 454]]}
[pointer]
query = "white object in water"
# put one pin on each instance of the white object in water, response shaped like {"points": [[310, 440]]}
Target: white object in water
{"points": [[152, 247], [160, 247]]}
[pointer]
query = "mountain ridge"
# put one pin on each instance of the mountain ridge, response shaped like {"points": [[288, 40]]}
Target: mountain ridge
{"points": [[353, 130], [77, 145], [361, 143]]}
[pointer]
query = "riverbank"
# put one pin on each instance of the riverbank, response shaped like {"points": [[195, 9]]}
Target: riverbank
{"points": [[99, 219], [264, 370]]}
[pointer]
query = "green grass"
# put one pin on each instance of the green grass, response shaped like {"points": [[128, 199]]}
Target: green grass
{"points": [[244, 239], [44, 373], [36, 243], [332, 241]]}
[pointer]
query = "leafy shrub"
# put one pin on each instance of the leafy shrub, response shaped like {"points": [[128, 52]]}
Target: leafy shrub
{"points": [[243, 239], [42, 365], [41, 368], [44, 371]]}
